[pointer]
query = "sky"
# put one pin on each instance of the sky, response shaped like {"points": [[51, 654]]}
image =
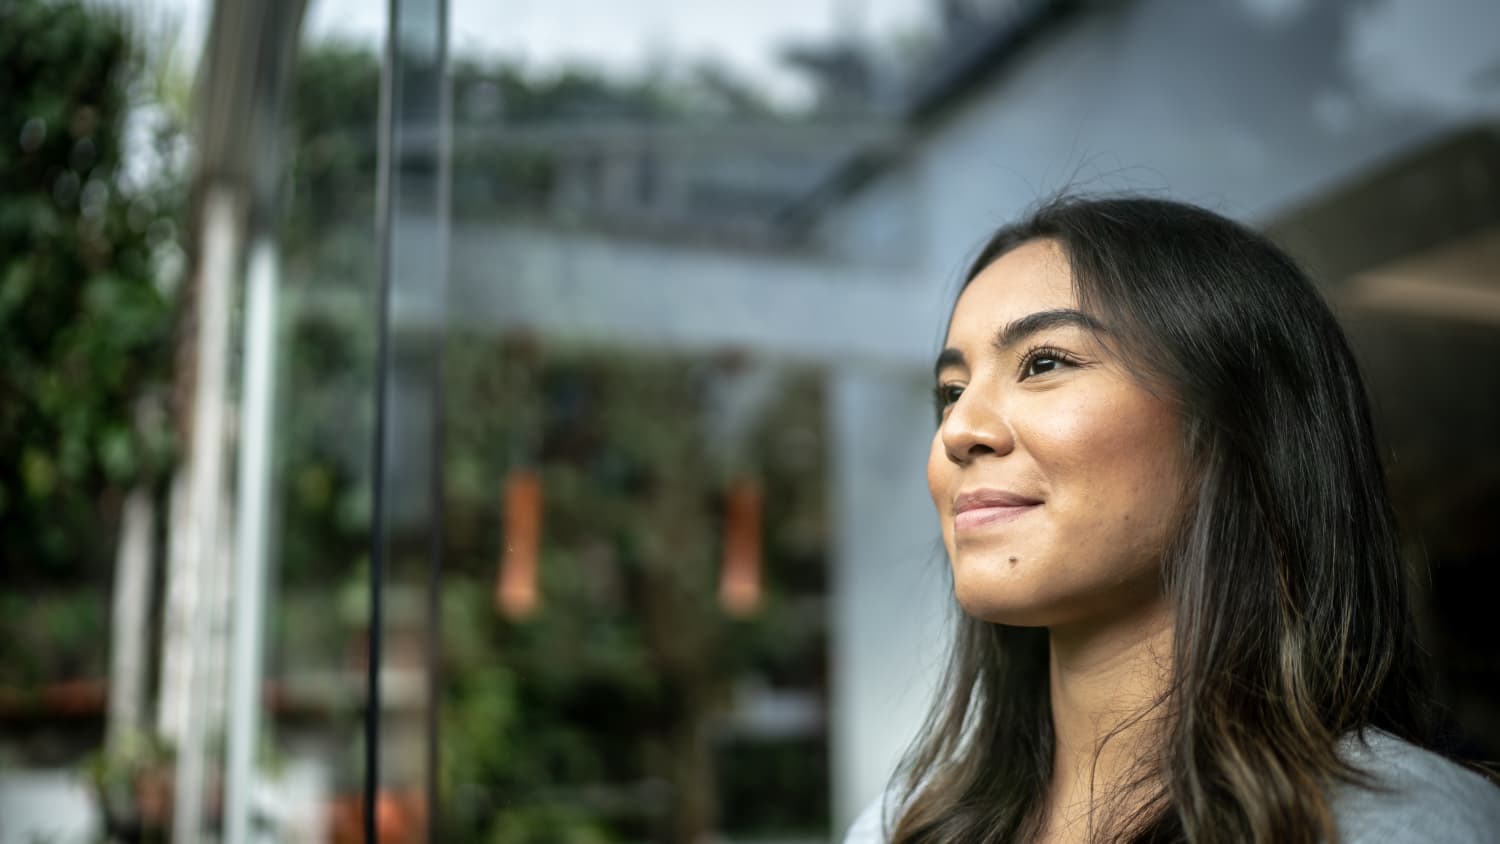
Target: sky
{"points": [[622, 36]]}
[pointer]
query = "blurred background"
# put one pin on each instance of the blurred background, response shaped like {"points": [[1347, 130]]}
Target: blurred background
{"points": [[541, 388]]}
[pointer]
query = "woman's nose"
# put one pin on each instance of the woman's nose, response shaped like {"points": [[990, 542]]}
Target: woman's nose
{"points": [[976, 425]]}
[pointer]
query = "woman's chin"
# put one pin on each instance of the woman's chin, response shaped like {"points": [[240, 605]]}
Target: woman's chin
{"points": [[1004, 606]]}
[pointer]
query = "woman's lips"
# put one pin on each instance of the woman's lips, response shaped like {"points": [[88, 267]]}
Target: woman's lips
{"points": [[994, 514], [983, 507]]}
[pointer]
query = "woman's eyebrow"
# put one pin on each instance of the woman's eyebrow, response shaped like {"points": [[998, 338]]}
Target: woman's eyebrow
{"points": [[1019, 329], [946, 358]]}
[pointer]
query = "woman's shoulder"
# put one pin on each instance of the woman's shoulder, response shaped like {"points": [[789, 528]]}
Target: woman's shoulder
{"points": [[869, 824], [1418, 796]]}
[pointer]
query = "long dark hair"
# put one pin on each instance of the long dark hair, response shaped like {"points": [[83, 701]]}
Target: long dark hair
{"points": [[1292, 618]]}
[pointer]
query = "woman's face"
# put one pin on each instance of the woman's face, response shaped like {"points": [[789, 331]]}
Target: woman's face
{"points": [[1056, 475]]}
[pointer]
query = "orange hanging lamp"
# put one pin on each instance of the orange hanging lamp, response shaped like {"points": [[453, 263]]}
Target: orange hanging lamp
{"points": [[517, 595], [740, 588]]}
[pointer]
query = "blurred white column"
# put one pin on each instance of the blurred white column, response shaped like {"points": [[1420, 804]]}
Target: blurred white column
{"points": [[198, 518], [891, 596], [129, 618], [252, 531]]}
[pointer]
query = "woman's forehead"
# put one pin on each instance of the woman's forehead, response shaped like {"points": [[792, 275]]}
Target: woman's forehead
{"points": [[1033, 277]]}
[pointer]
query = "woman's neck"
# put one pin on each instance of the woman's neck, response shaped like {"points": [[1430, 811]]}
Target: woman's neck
{"points": [[1105, 684]]}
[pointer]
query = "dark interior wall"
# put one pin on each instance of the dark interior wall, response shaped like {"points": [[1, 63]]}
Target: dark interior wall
{"points": [[1435, 195], [1435, 386]]}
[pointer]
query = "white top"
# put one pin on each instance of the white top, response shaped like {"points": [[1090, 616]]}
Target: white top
{"points": [[1426, 799]]}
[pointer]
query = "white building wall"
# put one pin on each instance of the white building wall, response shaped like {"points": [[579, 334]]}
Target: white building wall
{"points": [[881, 226], [1222, 103], [892, 595]]}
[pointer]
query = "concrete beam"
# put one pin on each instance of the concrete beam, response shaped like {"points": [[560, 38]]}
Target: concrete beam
{"points": [[592, 287]]}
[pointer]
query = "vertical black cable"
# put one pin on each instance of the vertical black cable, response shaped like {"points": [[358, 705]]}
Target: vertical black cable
{"points": [[439, 429], [385, 185], [435, 596]]}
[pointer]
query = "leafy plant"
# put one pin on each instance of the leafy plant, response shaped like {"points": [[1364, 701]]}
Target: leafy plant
{"points": [[85, 316], [608, 699]]}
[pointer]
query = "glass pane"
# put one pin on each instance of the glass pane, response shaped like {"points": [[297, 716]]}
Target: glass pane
{"points": [[407, 550], [650, 359], [310, 765]]}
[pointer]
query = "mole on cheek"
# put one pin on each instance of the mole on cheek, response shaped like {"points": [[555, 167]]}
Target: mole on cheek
{"points": [[1012, 559]]}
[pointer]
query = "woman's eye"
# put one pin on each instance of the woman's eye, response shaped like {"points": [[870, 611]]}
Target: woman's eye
{"points": [[946, 394], [1041, 362]]}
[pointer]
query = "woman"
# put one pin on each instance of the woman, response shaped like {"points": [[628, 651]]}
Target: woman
{"points": [[1185, 615]]}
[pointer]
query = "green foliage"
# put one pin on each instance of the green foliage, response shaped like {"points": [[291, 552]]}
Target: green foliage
{"points": [[53, 634], [512, 126], [546, 824], [603, 702], [327, 236], [335, 105], [84, 324], [508, 94], [323, 447], [131, 781], [758, 777]]}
